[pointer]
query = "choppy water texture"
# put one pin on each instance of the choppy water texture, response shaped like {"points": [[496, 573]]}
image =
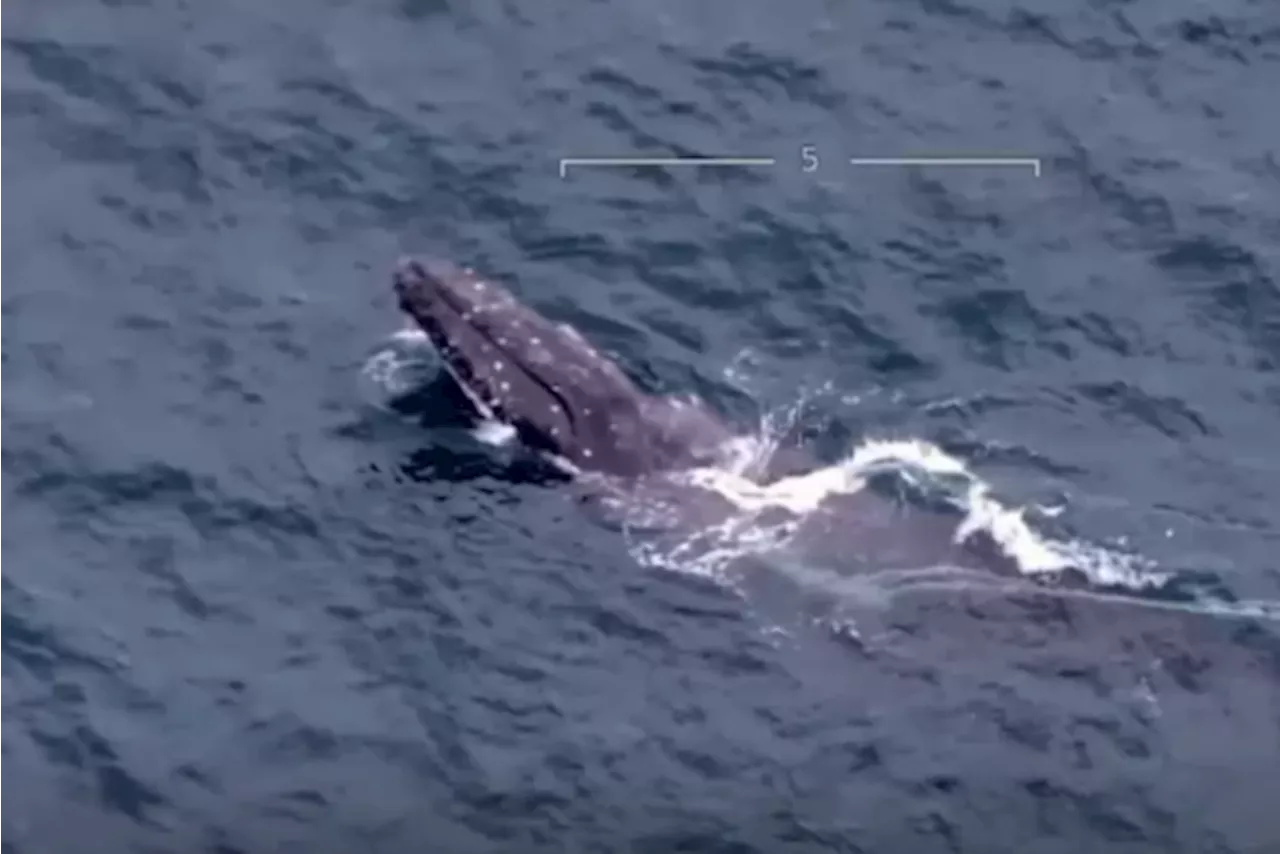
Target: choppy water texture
{"points": [[247, 607]]}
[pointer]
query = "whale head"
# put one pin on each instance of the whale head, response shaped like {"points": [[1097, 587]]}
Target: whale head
{"points": [[560, 393]]}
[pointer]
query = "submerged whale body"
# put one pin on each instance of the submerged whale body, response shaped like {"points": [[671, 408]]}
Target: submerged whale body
{"points": [[543, 378]]}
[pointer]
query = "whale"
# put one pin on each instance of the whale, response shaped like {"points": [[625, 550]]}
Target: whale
{"points": [[566, 398], [560, 393]]}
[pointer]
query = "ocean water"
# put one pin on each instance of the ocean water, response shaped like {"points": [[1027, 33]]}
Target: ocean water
{"points": [[261, 593]]}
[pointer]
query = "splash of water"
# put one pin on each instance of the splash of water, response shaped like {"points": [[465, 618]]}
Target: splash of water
{"points": [[403, 364], [761, 519]]}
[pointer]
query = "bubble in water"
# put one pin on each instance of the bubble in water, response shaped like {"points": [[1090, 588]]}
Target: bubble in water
{"points": [[401, 364]]}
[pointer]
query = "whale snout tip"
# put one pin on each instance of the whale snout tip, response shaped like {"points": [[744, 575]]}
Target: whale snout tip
{"points": [[414, 284], [409, 273]]}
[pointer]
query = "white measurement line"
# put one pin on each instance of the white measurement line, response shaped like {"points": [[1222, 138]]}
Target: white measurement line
{"points": [[1033, 162], [566, 162]]}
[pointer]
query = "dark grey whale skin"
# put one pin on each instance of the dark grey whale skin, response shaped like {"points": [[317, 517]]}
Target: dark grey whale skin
{"points": [[544, 378]]}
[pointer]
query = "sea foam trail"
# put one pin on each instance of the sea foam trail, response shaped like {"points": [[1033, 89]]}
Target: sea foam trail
{"points": [[924, 465]]}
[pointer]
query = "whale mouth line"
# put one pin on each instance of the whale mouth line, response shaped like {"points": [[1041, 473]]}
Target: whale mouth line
{"points": [[492, 398]]}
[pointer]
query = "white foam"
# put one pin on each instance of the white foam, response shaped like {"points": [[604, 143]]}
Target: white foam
{"points": [[493, 432], [1033, 552], [412, 335]]}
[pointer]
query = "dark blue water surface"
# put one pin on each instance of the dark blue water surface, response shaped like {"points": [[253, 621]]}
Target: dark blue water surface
{"points": [[249, 608]]}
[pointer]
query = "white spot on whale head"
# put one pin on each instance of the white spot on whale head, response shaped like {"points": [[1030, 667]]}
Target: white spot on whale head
{"points": [[499, 366], [587, 452]]}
